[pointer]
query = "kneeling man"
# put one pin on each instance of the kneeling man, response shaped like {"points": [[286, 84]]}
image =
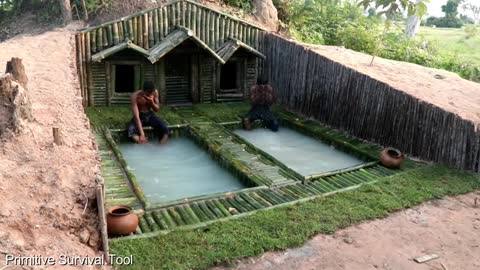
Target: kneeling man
{"points": [[144, 105]]}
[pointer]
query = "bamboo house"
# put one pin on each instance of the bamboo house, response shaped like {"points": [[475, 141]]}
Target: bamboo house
{"points": [[193, 53]]}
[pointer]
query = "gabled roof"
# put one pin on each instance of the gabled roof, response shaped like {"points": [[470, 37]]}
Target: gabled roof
{"points": [[177, 37], [227, 50], [170, 42], [98, 57]]}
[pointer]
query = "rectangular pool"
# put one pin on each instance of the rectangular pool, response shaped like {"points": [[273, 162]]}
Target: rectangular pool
{"points": [[299, 152], [177, 170]]}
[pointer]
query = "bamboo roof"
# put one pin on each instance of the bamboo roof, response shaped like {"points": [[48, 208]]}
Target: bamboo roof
{"points": [[98, 57], [227, 50], [176, 38]]}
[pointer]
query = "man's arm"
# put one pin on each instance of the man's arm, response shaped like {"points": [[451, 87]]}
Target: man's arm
{"points": [[136, 113], [155, 102]]}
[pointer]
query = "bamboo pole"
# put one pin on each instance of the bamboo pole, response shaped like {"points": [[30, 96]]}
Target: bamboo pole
{"points": [[145, 31], [87, 68], [99, 39], [116, 37], [166, 25], [201, 25], [173, 16], [102, 221], [109, 30], [105, 37], [161, 24], [138, 31], [193, 19], [136, 38], [129, 32], [122, 31], [216, 41], [78, 46], [151, 31], [183, 6], [156, 31], [227, 29], [85, 58]]}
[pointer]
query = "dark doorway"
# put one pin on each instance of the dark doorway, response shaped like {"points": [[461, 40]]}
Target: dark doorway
{"points": [[124, 78], [228, 76], [177, 79]]}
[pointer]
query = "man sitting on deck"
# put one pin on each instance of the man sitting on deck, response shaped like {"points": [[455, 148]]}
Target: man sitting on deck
{"points": [[144, 105], [262, 97]]}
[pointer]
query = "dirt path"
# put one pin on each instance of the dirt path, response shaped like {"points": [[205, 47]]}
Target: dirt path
{"points": [[44, 187], [449, 228]]}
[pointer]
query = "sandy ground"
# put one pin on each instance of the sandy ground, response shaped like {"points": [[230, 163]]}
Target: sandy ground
{"points": [[451, 92], [44, 188], [449, 228]]}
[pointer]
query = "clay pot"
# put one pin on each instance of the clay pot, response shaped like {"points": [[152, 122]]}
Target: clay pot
{"points": [[391, 157], [121, 220]]}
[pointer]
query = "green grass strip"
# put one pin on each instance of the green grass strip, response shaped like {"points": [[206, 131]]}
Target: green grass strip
{"points": [[283, 227]]}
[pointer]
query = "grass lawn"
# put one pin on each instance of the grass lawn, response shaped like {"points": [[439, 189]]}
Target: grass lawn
{"points": [[454, 41], [291, 226]]}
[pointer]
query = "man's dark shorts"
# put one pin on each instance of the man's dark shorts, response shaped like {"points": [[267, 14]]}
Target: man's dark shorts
{"points": [[263, 113], [149, 119]]}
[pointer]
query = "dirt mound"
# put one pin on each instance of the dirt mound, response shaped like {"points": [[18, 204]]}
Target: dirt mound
{"points": [[47, 191]]}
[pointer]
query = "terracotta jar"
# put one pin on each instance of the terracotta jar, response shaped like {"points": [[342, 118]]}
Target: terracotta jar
{"points": [[391, 157], [121, 220]]}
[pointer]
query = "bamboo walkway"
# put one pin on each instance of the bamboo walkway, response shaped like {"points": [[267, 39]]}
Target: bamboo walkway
{"points": [[242, 157], [234, 205], [117, 187]]}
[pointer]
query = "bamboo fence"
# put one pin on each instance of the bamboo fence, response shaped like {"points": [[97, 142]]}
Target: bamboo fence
{"points": [[147, 28], [369, 109]]}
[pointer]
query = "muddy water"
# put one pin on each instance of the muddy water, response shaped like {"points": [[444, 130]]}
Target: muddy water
{"points": [[176, 170], [301, 153]]}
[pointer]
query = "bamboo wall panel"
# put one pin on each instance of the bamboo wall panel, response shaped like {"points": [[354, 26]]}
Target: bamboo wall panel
{"points": [[251, 75], [369, 109], [207, 64], [99, 83]]}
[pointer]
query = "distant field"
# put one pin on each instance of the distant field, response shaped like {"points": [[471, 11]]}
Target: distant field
{"points": [[454, 41]]}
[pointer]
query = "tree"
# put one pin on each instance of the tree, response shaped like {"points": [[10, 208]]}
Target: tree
{"points": [[66, 8], [474, 9], [413, 23]]}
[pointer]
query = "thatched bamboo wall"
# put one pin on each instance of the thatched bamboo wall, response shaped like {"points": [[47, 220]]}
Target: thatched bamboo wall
{"points": [[151, 26], [339, 96]]}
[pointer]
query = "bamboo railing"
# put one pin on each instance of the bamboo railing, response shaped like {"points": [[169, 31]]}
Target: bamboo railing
{"points": [[147, 28], [369, 109]]}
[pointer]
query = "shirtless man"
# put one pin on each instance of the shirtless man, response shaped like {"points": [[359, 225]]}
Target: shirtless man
{"points": [[262, 98], [144, 105]]}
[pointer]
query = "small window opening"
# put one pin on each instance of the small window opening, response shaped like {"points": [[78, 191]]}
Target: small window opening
{"points": [[125, 78], [228, 76]]}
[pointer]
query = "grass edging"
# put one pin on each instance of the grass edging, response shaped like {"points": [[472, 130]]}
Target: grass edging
{"points": [[284, 227]]}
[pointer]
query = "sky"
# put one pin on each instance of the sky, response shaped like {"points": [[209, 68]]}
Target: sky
{"points": [[435, 7]]}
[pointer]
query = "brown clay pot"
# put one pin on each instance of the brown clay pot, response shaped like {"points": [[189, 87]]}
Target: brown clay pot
{"points": [[121, 220], [391, 157]]}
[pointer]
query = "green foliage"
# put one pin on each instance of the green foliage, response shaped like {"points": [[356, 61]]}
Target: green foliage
{"points": [[445, 22], [471, 31], [45, 10], [280, 228], [243, 4], [392, 8]]}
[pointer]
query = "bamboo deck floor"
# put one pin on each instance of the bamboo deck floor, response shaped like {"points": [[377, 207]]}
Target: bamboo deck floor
{"points": [[274, 186], [230, 206], [117, 187]]}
